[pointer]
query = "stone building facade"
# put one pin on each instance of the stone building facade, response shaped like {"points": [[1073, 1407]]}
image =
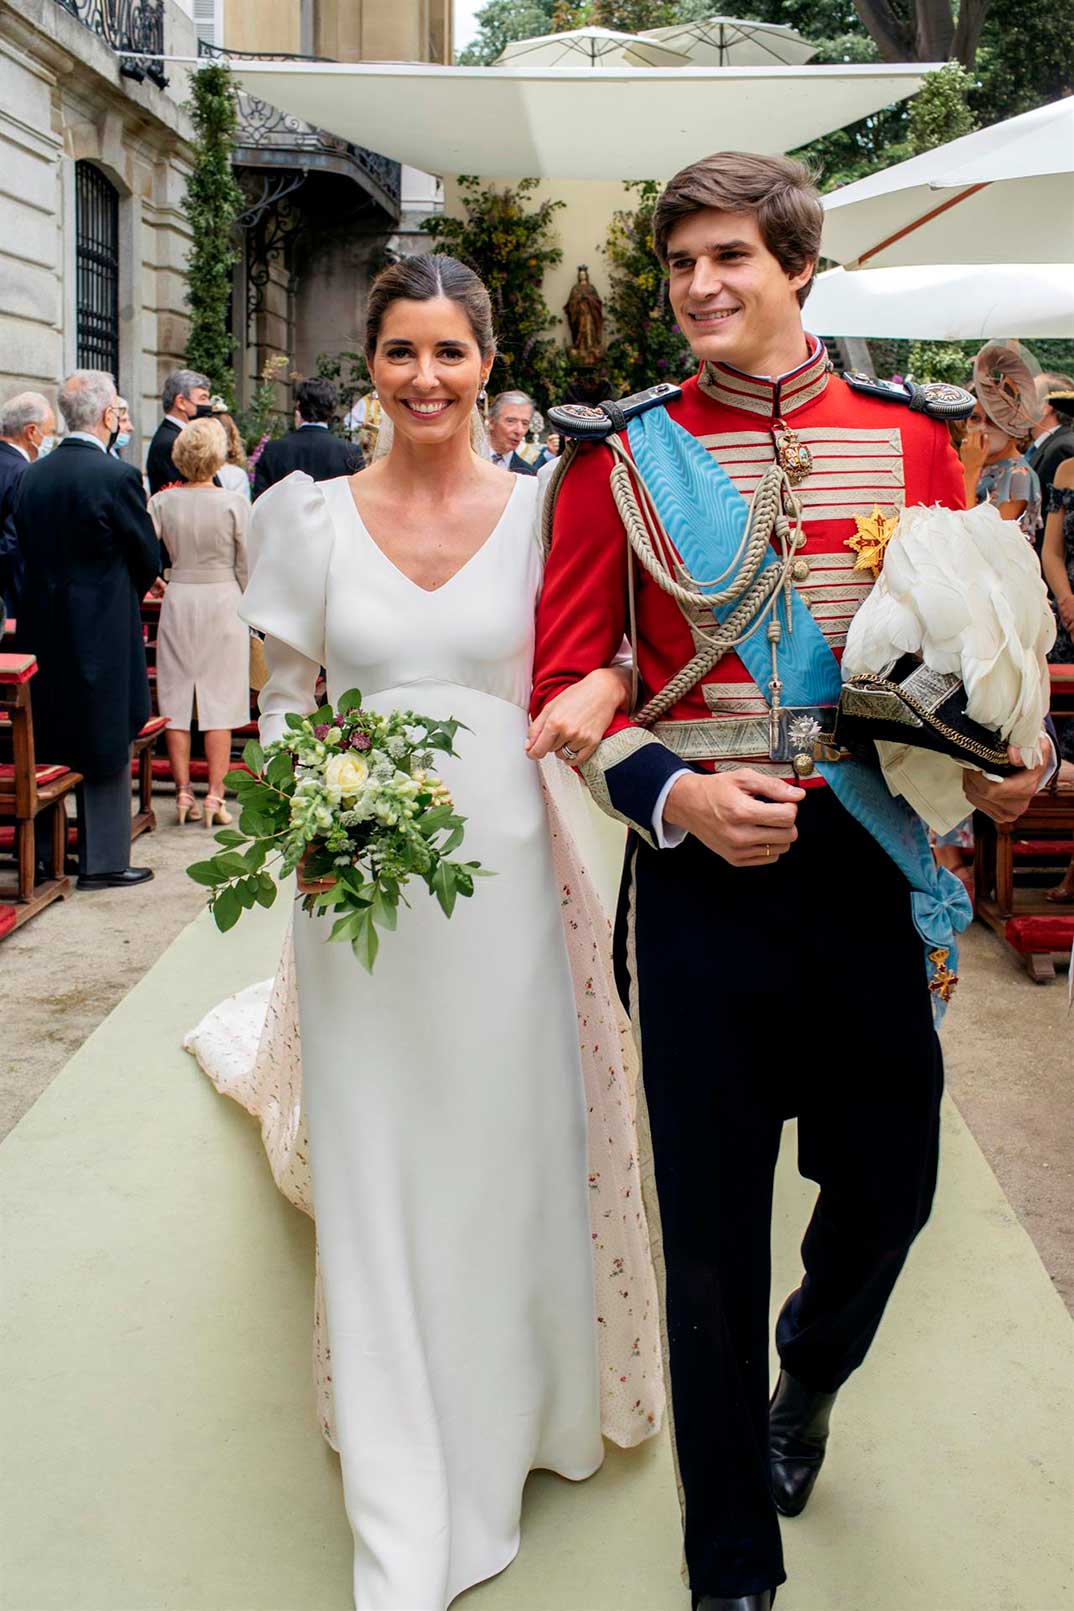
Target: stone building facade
{"points": [[94, 154], [93, 242]]}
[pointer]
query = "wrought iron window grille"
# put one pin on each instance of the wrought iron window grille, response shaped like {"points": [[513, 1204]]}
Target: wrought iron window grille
{"points": [[133, 28], [96, 270]]}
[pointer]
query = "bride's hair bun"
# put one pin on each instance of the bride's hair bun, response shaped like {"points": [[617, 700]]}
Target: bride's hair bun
{"points": [[421, 279]]}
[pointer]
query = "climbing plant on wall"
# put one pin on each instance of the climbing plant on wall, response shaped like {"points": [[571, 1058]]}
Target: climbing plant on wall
{"points": [[510, 243], [212, 203], [645, 343]]}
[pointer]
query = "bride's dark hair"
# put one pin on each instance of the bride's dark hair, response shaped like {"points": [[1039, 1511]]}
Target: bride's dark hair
{"points": [[421, 279]]}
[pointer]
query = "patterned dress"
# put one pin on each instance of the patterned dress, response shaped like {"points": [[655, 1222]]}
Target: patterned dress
{"points": [[1011, 481]]}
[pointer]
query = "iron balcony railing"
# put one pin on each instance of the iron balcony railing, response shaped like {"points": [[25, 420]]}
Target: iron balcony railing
{"points": [[131, 27], [268, 136]]}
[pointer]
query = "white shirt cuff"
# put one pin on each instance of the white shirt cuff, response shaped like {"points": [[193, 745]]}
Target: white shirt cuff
{"points": [[667, 837], [1052, 770]]}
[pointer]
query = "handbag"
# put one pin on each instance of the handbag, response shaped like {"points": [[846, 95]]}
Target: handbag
{"points": [[907, 702]]}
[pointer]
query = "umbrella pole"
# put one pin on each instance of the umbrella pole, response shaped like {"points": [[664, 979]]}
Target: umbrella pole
{"points": [[926, 218]]}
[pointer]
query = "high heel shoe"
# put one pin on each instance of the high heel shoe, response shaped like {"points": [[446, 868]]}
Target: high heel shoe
{"points": [[215, 812], [186, 806]]}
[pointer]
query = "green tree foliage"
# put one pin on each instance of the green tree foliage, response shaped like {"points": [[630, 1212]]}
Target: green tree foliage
{"points": [[211, 203], [645, 343], [510, 243], [500, 22]]}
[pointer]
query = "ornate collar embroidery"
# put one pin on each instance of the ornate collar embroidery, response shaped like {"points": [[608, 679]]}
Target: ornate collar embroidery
{"points": [[771, 398]]}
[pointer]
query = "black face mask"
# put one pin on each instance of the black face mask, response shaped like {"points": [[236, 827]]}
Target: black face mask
{"points": [[112, 435], [203, 411]]}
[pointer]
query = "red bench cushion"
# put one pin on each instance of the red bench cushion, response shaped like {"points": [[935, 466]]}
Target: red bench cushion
{"points": [[7, 920], [155, 724], [17, 667], [1040, 934], [43, 774]]}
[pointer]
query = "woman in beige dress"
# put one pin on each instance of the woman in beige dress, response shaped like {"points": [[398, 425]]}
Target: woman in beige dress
{"points": [[203, 649]]}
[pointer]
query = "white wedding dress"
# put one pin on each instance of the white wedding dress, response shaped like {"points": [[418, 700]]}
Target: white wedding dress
{"points": [[443, 1096]]}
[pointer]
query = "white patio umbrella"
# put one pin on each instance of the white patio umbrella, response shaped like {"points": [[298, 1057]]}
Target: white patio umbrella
{"points": [[949, 302], [590, 47], [570, 123], [1003, 192], [735, 42]]}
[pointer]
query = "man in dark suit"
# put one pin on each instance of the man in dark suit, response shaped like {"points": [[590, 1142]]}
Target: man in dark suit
{"points": [[185, 392], [311, 446], [26, 422], [510, 418], [1053, 441], [89, 554]]}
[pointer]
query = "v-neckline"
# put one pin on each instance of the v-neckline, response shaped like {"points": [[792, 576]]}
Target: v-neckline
{"points": [[431, 592]]}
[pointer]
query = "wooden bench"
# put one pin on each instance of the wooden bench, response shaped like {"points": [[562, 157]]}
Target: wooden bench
{"points": [[27, 790], [142, 764], [1014, 863]]}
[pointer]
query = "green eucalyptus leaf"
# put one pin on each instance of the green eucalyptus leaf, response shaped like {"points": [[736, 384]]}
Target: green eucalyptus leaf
{"points": [[266, 890], [207, 873], [253, 755], [229, 837], [366, 942], [226, 909], [351, 700]]}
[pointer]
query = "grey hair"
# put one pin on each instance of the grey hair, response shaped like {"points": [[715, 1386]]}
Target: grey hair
{"points": [[505, 398], [84, 396], [180, 383], [27, 408]]}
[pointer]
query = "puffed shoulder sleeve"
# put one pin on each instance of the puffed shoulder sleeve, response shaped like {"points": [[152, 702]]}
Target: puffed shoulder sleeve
{"points": [[289, 545]]}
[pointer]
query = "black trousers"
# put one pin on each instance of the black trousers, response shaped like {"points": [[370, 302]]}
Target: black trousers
{"points": [[759, 994], [104, 815]]}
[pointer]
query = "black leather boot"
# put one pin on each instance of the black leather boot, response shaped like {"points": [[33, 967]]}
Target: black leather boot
{"points": [[742, 1602], [797, 1435]]}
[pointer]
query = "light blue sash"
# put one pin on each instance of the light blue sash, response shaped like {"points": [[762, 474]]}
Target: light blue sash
{"points": [[705, 517]]}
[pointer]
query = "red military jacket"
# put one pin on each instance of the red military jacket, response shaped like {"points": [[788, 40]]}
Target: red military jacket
{"points": [[868, 454]]}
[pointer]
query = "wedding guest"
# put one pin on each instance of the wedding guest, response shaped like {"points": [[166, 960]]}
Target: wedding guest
{"points": [[1054, 439], [185, 392], [126, 429], [993, 463], [234, 474], [90, 555], [203, 649], [311, 446], [509, 420], [27, 424]]}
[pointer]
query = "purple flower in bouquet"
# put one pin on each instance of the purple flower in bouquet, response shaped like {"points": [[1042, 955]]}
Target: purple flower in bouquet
{"points": [[321, 731], [361, 741]]}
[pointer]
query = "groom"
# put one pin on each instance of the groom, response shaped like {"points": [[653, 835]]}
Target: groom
{"points": [[764, 941]]}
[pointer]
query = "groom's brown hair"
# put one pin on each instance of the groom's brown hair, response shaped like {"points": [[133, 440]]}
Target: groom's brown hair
{"points": [[778, 190]]}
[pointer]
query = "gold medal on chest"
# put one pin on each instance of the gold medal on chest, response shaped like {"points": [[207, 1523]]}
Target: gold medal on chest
{"points": [[792, 456], [870, 539]]}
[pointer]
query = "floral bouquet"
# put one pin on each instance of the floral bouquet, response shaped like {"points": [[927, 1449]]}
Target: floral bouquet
{"points": [[352, 796]]}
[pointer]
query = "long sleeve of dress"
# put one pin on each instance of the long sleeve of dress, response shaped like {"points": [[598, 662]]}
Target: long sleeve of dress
{"points": [[289, 542], [242, 563], [291, 685]]}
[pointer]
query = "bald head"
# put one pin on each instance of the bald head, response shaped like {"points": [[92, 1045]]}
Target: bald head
{"points": [[25, 421]]}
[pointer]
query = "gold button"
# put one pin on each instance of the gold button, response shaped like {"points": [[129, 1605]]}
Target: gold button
{"points": [[800, 570], [804, 765], [800, 539]]}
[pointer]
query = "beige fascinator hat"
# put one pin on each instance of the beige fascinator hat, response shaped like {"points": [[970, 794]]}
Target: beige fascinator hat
{"points": [[1003, 385]]}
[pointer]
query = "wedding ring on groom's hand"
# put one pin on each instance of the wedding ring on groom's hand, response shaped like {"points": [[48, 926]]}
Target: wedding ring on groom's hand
{"points": [[567, 753]]}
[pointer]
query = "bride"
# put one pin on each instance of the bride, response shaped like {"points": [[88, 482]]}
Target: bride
{"points": [[487, 1293]]}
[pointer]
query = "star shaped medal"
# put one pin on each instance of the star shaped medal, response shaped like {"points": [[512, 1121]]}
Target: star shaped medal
{"points": [[871, 538]]}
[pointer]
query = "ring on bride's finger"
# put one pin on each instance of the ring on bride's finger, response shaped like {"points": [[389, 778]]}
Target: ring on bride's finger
{"points": [[567, 753], [767, 851]]}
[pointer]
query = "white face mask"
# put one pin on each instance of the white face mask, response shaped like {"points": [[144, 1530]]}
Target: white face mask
{"points": [[46, 445]]}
